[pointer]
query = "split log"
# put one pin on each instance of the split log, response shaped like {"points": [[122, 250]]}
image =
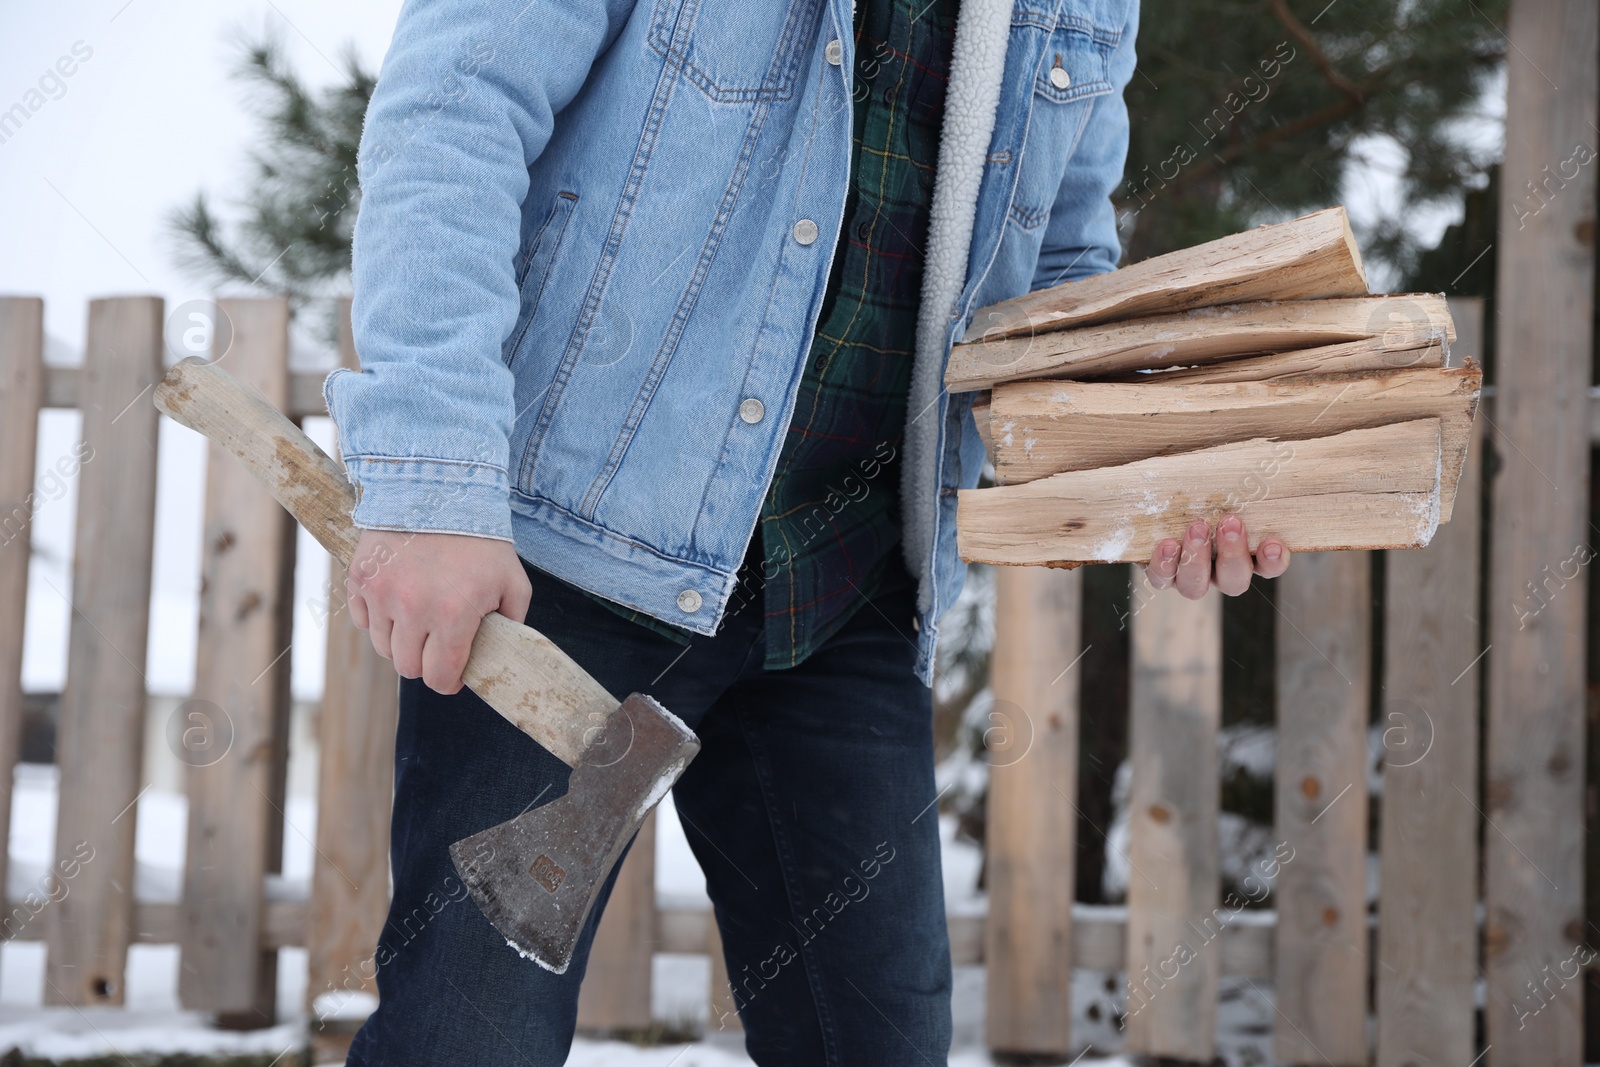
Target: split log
{"points": [[1205, 335], [1399, 350], [1311, 257], [1361, 489], [1043, 428]]}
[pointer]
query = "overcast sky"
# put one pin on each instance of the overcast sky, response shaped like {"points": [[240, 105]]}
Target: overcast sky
{"points": [[148, 119]]}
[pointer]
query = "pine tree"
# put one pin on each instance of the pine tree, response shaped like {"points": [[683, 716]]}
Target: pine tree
{"points": [[293, 238]]}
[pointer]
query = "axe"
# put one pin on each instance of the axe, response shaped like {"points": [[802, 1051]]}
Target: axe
{"points": [[535, 877]]}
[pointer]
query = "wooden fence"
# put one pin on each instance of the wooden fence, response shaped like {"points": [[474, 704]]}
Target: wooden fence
{"points": [[1178, 938]]}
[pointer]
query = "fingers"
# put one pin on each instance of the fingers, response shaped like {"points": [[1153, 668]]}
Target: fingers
{"points": [[379, 630], [357, 603], [1234, 566], [1162, 570], [1272, 557], [1194, 561], [405, 648], [445, 653], [517, 596]]}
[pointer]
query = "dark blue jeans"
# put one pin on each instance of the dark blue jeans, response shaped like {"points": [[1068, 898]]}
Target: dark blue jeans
{"points": [[809, 809]]}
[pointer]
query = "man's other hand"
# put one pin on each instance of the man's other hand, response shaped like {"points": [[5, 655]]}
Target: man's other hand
{"points": [[1221, 558], [421, 596]]}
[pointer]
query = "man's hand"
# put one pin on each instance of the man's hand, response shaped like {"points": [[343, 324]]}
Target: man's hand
{"points": [[1201, 561], [421, 596]]}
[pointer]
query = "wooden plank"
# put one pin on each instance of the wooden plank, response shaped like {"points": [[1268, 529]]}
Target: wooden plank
{"points": [[1533, 856], [1404, 349], [1032, 805], [160, 922], [1175, 709], [1309, 257], [1099, 938], [1209, 335], [1043, 428], [240, 707], [21, 392], [1429, 836], [616, 986], [1324, 671], [355, 780], [1373, 488], [1099, 934], [304, 399], [101, 730]]}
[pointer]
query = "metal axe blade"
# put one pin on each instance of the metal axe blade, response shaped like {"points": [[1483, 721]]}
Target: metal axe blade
{"points": [[536, 877]]}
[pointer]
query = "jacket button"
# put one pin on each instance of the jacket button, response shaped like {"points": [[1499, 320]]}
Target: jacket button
{"points": [[689, 601], [751, 410], [1059, 76], [805, 231], [834, 52]]}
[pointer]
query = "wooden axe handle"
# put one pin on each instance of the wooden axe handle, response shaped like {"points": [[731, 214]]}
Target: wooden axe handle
{"points": [[515, 669]]}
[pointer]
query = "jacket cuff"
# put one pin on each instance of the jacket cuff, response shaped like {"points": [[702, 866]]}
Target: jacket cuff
{"points": [[430, 496]]}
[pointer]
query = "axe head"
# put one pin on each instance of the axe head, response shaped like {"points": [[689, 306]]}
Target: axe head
{"points": [[536, 877]]}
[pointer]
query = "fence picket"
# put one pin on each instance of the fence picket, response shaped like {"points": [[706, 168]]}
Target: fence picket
{"points": [[101, 731], [1175, 706], [1324, 636], [1534, 929], [237, 722], [616, 986], [21, 394], [1032, 809], [355, 734], [1429, 843]]}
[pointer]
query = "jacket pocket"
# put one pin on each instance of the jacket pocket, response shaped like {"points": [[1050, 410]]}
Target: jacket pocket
{"points": [[734, 51], [533, 266], [1074, 71], [1077, 63]]}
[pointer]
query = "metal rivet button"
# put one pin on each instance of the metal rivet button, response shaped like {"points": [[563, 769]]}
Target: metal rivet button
{"points": [[751, 410], [805, 231], [834, 52], [1059, 76], [689, 601]]}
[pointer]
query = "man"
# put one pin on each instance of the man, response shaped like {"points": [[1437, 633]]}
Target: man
{"points": [[653, 300]]}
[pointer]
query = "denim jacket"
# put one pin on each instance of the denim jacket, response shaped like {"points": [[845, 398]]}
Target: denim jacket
{"points": [[592, 248]]}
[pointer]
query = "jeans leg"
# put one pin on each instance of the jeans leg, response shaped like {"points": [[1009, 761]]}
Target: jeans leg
{"points": [[820, 781], [450, 989]]}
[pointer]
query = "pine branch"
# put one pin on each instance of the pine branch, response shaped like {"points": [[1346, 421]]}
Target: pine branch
{"points": [[1319, 58]]}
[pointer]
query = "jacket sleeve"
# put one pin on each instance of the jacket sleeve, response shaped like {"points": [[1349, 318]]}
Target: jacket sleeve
{"points": [[463, 105], [1081, 237]]}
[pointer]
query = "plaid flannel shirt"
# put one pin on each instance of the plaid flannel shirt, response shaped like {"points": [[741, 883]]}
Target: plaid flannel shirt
{"points": [[830, 525]]}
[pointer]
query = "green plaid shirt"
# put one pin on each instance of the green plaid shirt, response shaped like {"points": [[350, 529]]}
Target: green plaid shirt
{"points": [[830, 524]]}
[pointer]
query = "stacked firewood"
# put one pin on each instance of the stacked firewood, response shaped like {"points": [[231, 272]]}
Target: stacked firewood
{"points": [[1252, 374]]}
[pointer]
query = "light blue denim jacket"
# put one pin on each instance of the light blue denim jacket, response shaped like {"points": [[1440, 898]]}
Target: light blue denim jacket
{"points": [[592, 232]]}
